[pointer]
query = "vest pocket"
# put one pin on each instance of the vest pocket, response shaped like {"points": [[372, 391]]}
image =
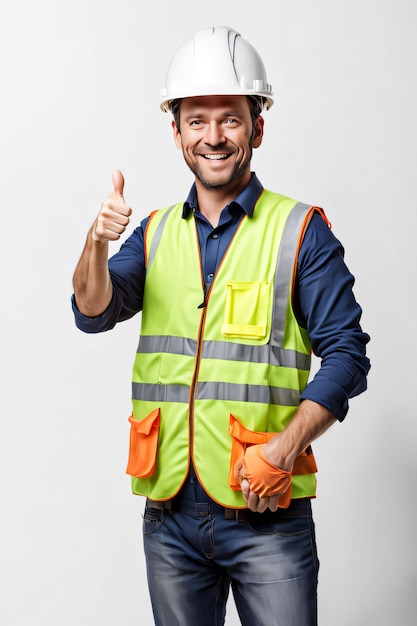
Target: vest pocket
{"points": [[247, 306], [242, 437], [143, 445]]}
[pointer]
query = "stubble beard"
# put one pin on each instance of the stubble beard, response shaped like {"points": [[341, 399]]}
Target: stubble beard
{"points": [[236, 173]]}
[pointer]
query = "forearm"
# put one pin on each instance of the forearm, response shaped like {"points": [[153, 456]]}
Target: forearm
{"points": [[91, 281], [310, 421], [262, 487]]}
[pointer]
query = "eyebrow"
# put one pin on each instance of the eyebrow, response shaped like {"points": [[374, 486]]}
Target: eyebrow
{"points": [[200, 114]]}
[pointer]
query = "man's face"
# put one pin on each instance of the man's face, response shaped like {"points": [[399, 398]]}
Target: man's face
{"points": [[217, 139]]}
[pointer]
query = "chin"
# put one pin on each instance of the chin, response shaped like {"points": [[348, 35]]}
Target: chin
{"points": [[215, 181]]}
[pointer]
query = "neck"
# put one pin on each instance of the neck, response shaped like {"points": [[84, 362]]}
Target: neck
{"points": [[211, 202]]}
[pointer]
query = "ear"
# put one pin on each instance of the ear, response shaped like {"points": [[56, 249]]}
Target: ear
{"points": [[177, 135], [258, 132]]}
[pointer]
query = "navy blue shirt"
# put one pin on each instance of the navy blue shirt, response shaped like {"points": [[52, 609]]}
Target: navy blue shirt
{"points": [[323, 297]]}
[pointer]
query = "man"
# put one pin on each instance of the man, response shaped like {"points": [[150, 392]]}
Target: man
{"points": [[236, 286]]}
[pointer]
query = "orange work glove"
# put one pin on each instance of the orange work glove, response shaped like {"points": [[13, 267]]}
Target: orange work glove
{"points": [[265, 479]]}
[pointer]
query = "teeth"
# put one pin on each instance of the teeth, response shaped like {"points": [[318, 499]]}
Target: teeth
{"points": [[215, 157]]}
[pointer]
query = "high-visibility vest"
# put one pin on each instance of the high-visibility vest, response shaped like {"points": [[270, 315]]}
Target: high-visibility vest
{"points": [[219, 371]]}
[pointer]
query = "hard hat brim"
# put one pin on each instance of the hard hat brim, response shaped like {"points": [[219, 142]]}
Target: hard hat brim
{"points": [[207, 91]]}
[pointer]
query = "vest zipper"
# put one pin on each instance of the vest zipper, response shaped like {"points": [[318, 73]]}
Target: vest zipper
{"points": [[203, 306], [194, 381]]}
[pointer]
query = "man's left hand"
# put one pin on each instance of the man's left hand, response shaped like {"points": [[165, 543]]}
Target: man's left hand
{"points": [[264, 485]]}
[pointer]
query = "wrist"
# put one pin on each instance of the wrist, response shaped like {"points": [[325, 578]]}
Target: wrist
{"points": [[95, 239], [276, 453]]}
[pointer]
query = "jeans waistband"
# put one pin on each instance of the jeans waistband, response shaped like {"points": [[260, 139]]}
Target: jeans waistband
{"points": [[297, 508]]}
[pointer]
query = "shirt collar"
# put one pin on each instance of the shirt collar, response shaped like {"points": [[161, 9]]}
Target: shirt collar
{"points": [[246, 199]]}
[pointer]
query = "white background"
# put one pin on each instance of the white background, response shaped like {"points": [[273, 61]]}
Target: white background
{"points": [[80, 83]]}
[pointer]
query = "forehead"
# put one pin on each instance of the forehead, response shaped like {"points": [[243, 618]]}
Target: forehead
{"points": [[210, 103]]}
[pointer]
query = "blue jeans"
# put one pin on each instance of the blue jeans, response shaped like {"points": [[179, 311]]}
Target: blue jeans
{"points": [[194, 555]]}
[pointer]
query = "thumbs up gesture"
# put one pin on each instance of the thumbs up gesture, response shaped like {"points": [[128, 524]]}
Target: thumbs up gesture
{"points": [[114, 214]]}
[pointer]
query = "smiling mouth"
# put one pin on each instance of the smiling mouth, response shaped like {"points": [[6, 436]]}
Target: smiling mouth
{"points": [[215, 157]]}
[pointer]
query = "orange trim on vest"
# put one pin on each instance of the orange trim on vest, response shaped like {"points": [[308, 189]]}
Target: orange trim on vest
{"points": [[307, 220]]}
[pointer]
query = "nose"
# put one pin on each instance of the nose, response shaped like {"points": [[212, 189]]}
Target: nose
{"points": [[214, 134]]}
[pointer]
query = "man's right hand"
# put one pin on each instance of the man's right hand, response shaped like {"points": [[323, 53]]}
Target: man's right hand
{"points": [[113, 217]]}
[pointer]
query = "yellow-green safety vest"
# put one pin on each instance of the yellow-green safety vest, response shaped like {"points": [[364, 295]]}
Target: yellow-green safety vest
{"points": [[217, 371]]}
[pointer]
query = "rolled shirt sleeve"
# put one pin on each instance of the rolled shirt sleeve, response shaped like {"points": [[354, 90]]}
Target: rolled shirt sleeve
{"points": [[127, 272]]}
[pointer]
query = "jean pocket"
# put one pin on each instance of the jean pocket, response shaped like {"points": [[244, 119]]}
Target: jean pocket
{"points": [[152, 520], [143, 445], [247, 308], [274, 524]]}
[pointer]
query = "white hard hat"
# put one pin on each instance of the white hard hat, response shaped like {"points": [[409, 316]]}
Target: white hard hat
{"points": [[217, 61]]}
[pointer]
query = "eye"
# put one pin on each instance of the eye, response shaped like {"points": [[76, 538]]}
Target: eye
{"points": [[232, 122], [196, 123]]}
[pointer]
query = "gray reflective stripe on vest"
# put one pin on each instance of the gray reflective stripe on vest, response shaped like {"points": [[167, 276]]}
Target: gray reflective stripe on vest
{"points": [[216, 391], [247, 393], [225, 350], [160, 393], [166, 343], [157, 236], [230, 351], [283, 275]]}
